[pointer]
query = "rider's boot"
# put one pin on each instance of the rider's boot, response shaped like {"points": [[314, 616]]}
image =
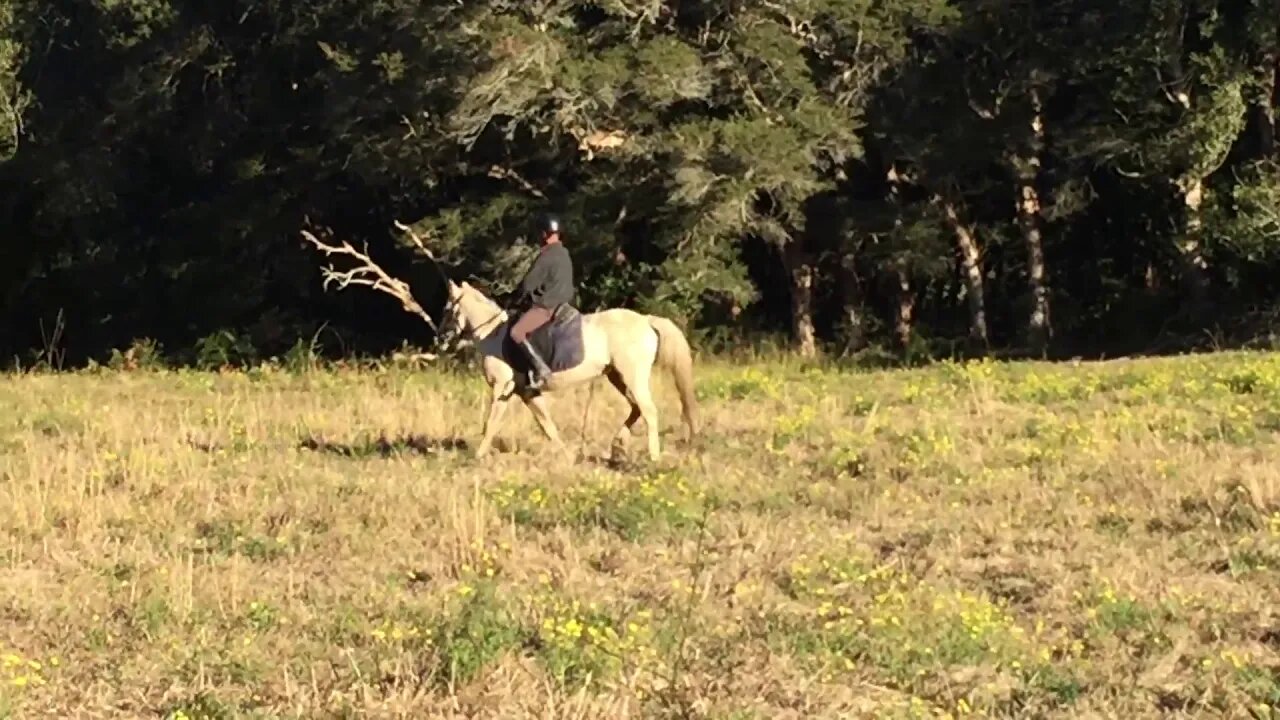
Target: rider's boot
{"points": [[538, 376]]}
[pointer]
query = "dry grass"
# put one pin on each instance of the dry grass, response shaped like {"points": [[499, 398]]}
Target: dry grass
{"points": [[1000, 540]]}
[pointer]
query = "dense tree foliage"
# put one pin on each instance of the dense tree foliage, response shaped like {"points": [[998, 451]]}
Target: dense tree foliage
{"points": [[1067, 176]]}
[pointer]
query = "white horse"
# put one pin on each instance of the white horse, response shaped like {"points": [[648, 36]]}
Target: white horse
{"points": [[620, 344]]}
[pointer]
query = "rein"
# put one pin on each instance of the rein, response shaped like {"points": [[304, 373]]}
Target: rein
{"points": [[473, 328]]}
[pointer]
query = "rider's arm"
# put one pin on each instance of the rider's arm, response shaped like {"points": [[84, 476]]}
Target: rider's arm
{"points": [[535, 277]]}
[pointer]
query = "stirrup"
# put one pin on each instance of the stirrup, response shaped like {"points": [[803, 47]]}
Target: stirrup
{"points": [[539, 371], [533, 382]]}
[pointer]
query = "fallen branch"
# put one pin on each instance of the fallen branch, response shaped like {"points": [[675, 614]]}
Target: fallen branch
{"points": [[369, 274], [417, 240], [412, 358]]}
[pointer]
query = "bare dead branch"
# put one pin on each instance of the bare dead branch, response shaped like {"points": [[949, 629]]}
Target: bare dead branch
{"points": [[368, 274], [500, 173], [601, 140], [455, 343], [1174, 90], [983, 112], [417, 240], [413, 358], [412, 131], [752, 97], [799, 28]]}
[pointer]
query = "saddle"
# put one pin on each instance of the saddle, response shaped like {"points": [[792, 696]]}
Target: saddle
{"points": [[559, 342]]}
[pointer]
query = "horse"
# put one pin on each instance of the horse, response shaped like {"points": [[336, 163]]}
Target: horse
{"points": [[620, 344]]}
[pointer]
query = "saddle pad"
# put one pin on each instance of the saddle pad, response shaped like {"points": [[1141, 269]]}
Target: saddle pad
{"points": [[559, 342]]}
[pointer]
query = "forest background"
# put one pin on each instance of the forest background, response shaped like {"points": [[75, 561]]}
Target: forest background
{"points": [[1063, 177]]}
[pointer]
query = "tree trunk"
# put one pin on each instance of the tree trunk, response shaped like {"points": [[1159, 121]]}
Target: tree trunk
{"points": [[1264, 108], [1266, 104], [1191, 247], [971, 272], [904, 317], [905, 299], [1039, 325], [799, 267], [855, 325], [1274, 108]]}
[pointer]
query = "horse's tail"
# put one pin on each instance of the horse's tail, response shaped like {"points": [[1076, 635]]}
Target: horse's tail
{"points": [[675, 355]]}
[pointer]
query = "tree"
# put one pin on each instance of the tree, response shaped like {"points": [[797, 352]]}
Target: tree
{"points": [[1163, 105], [937, 159], [160, 157], [14, 99], [797, 77]]}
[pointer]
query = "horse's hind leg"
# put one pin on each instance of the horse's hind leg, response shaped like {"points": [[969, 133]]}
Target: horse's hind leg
{"points": [[636, 379], [650, 413], [628, 426]]}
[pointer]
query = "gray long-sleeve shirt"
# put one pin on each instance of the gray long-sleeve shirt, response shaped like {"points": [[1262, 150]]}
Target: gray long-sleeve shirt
{"points": [[549, 281]]}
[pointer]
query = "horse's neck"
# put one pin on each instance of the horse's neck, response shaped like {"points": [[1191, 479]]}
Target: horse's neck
{"points": [[483, 315]]}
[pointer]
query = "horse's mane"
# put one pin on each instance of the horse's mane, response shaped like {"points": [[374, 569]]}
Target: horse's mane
{"points": [[481, 296]]}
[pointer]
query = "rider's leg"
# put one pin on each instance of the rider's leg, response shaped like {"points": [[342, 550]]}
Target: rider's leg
{"points": [[532, 319]]}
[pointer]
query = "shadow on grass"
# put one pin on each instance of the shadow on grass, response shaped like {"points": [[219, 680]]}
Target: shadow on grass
{"points": [[633, 457], [617, 462], [383, 446]]}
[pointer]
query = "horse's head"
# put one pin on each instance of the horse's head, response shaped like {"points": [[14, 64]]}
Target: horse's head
{"points": [[454, 320], [469, 312]]}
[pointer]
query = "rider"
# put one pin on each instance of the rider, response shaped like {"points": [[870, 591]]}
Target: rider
{"points": [[546, 286]]}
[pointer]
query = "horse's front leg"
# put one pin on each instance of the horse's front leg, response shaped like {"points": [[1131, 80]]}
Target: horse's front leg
{"points": [[538, 405], [498, 402]]}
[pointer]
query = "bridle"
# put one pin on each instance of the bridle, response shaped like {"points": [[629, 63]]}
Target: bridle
{"points": [[449, 330]]}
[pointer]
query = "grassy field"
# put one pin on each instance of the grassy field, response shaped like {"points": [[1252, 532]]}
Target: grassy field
{"points": [[986, 539]]}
